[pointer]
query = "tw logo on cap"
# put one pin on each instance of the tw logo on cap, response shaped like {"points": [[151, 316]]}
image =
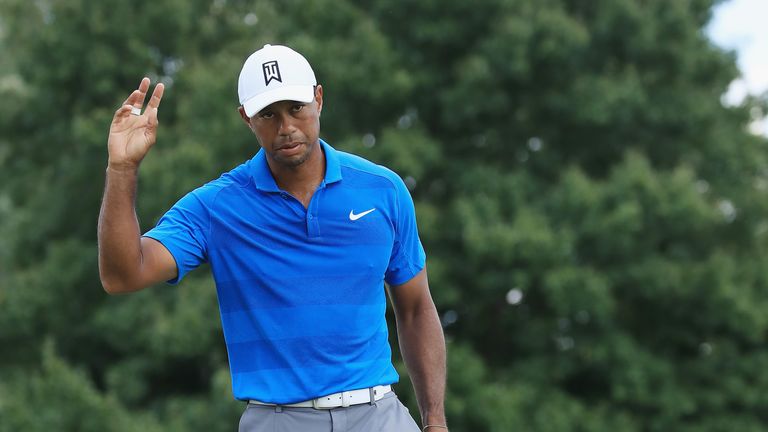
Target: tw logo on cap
{"points": [[271, 72]]}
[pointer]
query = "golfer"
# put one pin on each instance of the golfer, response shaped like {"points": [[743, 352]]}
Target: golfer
{"points": [[301, 239]]}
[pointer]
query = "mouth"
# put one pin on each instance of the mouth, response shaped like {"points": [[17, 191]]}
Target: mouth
{"points": [[290, 148]]}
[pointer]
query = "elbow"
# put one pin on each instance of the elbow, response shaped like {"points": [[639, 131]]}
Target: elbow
{"points": [[113, 288], [115, 285], [115, 280], [110, 289]]}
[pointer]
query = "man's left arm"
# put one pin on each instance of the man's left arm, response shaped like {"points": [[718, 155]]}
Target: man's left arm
{"points": [[423, 346]]}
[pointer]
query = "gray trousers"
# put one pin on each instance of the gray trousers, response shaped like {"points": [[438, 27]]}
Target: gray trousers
{"points": [[385, 415]]}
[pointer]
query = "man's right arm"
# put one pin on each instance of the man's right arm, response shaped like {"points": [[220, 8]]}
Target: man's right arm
{"points": [[127, 261]]}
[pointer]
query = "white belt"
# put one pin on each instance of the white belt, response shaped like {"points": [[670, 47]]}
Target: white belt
{"points": [[342, 399]]}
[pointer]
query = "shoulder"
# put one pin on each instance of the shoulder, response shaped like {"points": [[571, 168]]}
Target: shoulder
{"points": [[364, 172], [236, 178]]}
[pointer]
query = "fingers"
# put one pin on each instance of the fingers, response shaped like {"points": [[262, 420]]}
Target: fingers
{"points": [[136, 98], [144, 85], [138, 102], [133, 97], [150, 132], [140, 94], [157, 95], [152, 116], [122, 112]]}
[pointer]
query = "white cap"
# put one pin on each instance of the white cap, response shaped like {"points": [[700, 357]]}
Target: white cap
{"points": [[275, 73]]}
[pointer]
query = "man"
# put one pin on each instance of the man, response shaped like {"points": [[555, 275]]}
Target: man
{"points": [[300, 239]]}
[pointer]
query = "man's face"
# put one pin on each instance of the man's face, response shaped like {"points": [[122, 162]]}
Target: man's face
{"points": [[288, 131]]}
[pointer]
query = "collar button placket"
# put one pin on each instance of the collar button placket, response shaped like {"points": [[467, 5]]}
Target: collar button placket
{"points": [[313, 224]]}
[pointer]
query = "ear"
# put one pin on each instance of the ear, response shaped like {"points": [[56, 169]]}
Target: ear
{"points": [[244, 116], [319, 98]]}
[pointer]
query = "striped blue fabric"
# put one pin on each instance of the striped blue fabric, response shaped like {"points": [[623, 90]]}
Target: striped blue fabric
{"points": [[301, 290]]}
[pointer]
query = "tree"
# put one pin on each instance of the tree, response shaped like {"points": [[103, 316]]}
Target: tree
{"points": [[593, 215]]}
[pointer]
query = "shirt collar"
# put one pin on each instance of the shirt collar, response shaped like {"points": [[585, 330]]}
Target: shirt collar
{"points": [[263, 179], [332, 164]]}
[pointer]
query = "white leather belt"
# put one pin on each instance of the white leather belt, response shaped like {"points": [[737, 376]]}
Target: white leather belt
{"points": [[336, 400]]}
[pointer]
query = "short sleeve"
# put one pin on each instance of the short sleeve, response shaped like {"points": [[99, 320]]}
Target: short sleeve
{"points": [[184, 231], [408, 257]]}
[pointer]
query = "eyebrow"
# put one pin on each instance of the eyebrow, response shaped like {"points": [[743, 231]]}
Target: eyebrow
{"points": [[270, 106]]}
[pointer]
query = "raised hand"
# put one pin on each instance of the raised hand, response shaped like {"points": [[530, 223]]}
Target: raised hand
{"points": [[131, 135]]}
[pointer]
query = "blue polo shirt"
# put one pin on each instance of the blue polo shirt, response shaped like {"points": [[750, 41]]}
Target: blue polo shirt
{"points": [[301, 290]]}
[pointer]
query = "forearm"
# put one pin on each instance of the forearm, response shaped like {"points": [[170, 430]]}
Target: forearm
{"points": [[423, 347], [119, 235]]}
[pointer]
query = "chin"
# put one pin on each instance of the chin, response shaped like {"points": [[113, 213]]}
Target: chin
{"points": [[293, 161]]}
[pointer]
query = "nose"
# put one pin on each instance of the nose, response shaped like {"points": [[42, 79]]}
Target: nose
{"points": [[286, 125]]}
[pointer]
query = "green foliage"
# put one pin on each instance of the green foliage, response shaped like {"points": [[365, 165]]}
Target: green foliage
{"points": [[57, 397], [594, 217]]}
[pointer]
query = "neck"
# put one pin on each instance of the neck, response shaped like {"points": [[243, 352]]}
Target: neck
{"points": [[302, 179]]}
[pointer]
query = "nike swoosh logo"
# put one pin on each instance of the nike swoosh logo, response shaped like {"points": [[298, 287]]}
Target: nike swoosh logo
{"points": [[354, 217]]}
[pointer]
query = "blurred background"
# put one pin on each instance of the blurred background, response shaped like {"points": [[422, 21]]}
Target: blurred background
{"points": [[591, 182]]}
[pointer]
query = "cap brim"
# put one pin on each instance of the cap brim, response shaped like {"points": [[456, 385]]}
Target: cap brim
{"points": [[304, 93]]}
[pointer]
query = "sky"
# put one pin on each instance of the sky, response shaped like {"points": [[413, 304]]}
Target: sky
{"points": [[741, 25]]}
